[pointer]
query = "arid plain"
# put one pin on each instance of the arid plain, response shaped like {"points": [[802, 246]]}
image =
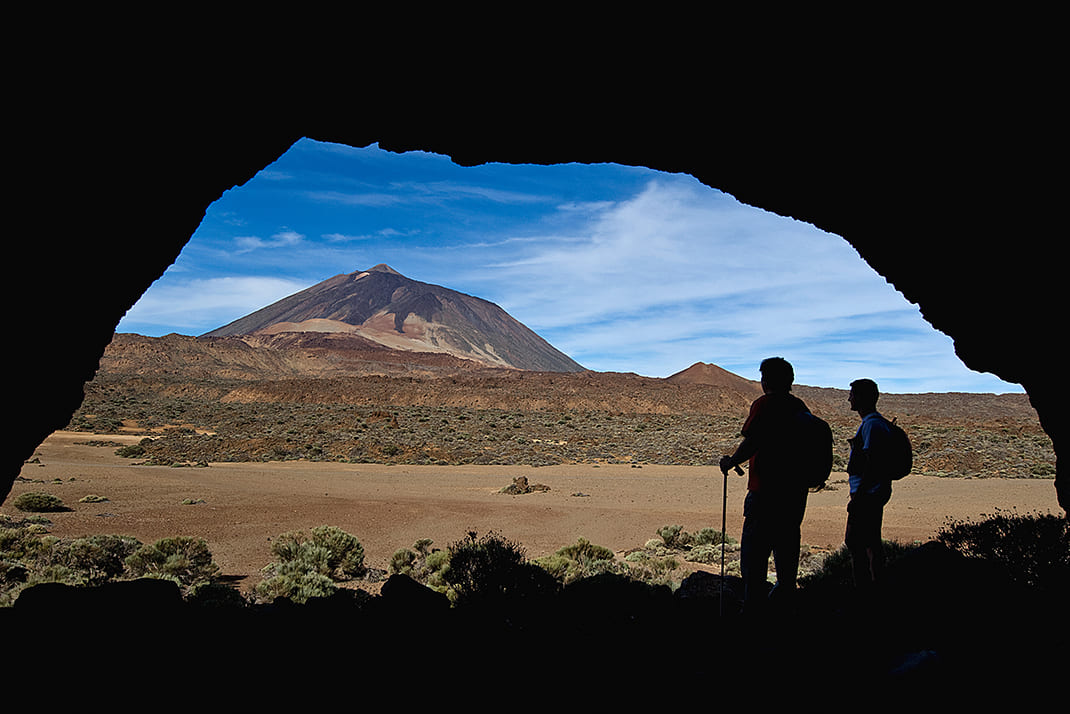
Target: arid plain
{"points": [[238, 508]]}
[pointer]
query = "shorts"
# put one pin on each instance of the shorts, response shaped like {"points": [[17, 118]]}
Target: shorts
{"points": [[865, 515]]}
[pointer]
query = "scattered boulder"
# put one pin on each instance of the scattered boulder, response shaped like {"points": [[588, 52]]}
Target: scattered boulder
{"points": [[520, 485]]}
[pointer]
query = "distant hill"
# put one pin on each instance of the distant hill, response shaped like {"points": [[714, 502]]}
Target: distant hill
{"points": [[714, 376], [384, 307]]}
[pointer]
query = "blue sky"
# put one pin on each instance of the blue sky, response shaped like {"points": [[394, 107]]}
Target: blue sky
{"points": [[624, 269]]}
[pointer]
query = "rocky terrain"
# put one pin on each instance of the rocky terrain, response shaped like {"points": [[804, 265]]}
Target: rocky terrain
{"points": [[337, 397]]}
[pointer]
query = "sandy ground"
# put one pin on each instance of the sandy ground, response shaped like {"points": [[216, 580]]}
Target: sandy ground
{"points": [[241, 507]]}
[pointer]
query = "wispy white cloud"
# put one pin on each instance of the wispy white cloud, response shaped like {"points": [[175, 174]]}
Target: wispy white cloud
{"points": [[434, 192], [369, 199], [680, 274], [283, 239], [200, 305]]}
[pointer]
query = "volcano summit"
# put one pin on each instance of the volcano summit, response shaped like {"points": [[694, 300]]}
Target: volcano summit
{"points": [[382, 305]]}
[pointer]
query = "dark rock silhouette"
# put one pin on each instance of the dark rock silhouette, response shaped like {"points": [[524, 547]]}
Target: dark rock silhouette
{"points": [[944, 624]]}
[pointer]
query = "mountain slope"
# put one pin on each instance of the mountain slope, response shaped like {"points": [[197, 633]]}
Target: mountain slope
{"points": [[381, 305]]}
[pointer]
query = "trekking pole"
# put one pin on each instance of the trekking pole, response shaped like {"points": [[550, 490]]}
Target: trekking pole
{"points": [[724, 535]]}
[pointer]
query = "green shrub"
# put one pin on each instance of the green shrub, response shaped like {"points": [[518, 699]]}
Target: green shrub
{"points": [[433, 573], [422, 564], [579, 560], [308, 565], [402, 562], [29, 556], [705, 553], [342, 554], [37, 502], [17, 543], [132, 451], [298, 581], [1033, 550], [712, 536], [185, 560], [650, 568], [675, 537], [13, 575], [100, 558]]}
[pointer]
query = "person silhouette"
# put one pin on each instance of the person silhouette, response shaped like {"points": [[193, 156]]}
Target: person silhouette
{"points": [[870, 488], [775, 503]]}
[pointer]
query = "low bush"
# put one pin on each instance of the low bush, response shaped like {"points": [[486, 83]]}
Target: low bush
{"points": [[102, 557], [712, 536], [309, 564], [651, 568], [29, 556], [492, 569], [836, 571], [343, 554], [215, 595], [133, 451], [185, 560], [1032, 550], [580, 560], [423, 564], [38, 502], [675, 537], [297, 580]]}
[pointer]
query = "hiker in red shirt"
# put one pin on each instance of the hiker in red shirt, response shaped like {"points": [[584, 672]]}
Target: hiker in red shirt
{"points": [[776, 501]]}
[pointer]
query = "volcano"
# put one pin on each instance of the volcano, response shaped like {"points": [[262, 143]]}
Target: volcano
{"points": [[382, 305]]}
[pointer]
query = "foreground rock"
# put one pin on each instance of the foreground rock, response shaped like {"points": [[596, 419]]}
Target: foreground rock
{"points": [[947, 629]]}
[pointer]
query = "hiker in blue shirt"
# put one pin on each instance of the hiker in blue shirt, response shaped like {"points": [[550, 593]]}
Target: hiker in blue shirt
{"points": [[870, 486]]}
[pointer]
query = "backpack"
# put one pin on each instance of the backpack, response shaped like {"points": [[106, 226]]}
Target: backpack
{"points": [[813, 449], [898, 458]]}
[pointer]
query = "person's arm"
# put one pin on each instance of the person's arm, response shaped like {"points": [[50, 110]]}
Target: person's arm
{"points": [[746, 449], [749, 446]]}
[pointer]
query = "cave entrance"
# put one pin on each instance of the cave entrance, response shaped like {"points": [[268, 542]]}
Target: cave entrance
{"points": [[622, 268]]}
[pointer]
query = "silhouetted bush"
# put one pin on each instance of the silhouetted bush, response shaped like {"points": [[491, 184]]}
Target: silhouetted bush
{"points": [[836, 570], [215, 595], [1032, 550], [492, 570]]}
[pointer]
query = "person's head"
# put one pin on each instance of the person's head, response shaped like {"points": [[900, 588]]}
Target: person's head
{"points": [[777, 374], [863, 396]]}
